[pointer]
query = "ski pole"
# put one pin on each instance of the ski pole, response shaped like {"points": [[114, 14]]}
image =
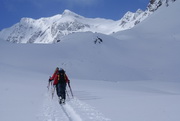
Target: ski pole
{"points": [[49, 82], [53, 90], [48, 85], [70, 89], [67, 94]]}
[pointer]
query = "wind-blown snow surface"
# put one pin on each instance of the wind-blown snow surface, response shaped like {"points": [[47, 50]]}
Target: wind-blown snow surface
{"points": [[132, 78]]}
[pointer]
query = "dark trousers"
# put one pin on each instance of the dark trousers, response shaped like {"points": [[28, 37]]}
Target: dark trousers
{"points": [[61, 90]]}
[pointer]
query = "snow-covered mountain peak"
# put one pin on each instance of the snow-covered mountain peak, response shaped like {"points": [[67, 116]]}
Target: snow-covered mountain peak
{"points": [[69, 13], [52, 29], [128, 15], [66, 11], [139, 11], [26, 20], [155, 4]]}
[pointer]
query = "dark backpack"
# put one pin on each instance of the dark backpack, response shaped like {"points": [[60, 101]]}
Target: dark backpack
{"points": [[61, 76]]}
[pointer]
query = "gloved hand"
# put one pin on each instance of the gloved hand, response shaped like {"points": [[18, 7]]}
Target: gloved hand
{"points": [[50, 78]]}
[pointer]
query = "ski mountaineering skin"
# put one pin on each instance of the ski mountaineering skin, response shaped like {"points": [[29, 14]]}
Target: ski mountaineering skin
{"points": [[60, 81]]}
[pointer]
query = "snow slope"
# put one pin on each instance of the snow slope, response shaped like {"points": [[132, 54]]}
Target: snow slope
{"points": [[154, 44], [132, 76]]}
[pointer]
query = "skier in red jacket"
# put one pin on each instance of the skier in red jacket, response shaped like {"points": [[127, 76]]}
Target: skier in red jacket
{"points": [[60, 80]]}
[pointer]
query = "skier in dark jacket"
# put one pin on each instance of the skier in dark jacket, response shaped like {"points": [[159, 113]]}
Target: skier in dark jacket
{"points": [[60, 80]]}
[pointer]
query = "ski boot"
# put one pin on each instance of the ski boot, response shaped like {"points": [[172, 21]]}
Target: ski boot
{"points": [[60, 100]]}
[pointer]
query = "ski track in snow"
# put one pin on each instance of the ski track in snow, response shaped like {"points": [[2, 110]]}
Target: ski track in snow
{"points": [[88, 113], [50, 111], [73, 110]]}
